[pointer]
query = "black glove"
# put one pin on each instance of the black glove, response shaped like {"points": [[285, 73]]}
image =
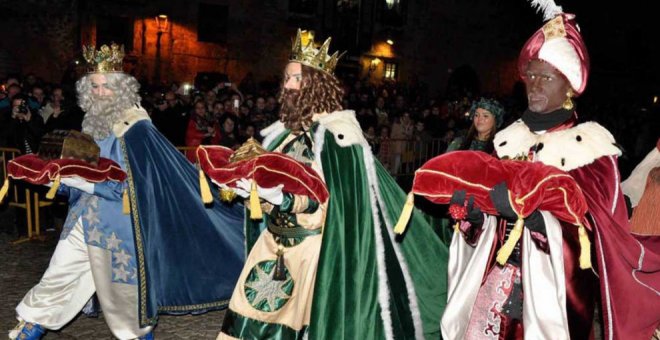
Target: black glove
{"points": [[500, 198], [535, 222]]}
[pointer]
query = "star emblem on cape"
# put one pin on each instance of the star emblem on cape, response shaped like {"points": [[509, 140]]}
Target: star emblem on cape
{"points": [[121, 257], [94, 235], [92, 217], [267, 288], [113, 241], [120, 273]]}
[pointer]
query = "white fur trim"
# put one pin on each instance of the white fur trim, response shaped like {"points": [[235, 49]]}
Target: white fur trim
{"points": [[565, 149], [344, 126], [128, 119], [319, 141], [271, 132], [410, 288], [561, 54]]}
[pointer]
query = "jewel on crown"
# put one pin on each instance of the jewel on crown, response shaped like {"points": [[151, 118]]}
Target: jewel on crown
{"points": [[106, 59]]}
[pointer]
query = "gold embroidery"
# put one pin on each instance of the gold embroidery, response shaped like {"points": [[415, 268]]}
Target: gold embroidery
{"points": [[554, 28]]}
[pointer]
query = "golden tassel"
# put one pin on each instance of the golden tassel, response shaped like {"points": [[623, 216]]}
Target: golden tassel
{"points": [[204, 188], [404, 218], [506, 250], [457, 227], [126, 204], [53, 189], [585, 248], [4, 189], [255, 205]]}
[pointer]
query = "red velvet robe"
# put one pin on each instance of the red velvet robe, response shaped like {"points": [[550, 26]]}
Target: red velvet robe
{"points": [[628, 265]]}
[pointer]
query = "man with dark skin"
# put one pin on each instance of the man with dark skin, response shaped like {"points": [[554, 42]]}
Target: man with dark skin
{"points": [[554, 64], [546, 87]]}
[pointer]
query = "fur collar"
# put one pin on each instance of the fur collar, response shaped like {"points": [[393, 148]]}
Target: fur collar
{"points": [[342, 124], [565, 149], [128, 119]]}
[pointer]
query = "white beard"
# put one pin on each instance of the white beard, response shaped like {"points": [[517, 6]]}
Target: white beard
{"points": [[100, 118]]}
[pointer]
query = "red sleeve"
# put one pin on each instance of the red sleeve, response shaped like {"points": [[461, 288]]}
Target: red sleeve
{"points": [[193, 137], [216, 136], [600, 182]]}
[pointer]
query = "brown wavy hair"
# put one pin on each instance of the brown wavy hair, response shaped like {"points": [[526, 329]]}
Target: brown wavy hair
{"points": [[319, 92]]}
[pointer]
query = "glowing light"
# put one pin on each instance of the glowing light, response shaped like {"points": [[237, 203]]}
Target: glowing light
{"points": [[391, 3], [389, 42]]}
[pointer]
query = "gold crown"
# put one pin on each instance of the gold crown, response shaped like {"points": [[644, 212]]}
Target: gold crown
{"points": [[106, 59], [306, 53]]}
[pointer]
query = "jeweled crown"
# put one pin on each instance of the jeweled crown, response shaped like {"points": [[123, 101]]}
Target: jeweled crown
{"points": [[106, 59], [305, 52]]}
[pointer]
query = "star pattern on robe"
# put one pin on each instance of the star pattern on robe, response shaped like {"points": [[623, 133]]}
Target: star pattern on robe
{"points": [[120, 273], [92, 216], [93, 202], [267, 288], [121, 257], [113, 241], [94, 235]]}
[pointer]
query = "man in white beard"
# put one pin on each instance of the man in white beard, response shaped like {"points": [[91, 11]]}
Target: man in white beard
{"points": [[118, 241]]}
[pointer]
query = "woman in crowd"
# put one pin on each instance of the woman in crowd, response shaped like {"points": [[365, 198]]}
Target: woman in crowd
{"points": [[487, 115], [203, 128]]}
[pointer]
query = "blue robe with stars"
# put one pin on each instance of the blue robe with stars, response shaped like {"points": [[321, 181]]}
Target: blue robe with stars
{"points": [[184, 256]]}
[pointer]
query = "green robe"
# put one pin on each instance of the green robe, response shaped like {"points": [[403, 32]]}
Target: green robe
{"points": [[369, 283]]}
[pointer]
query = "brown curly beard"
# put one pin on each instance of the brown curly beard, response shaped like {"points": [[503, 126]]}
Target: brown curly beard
{"points": [[319, 92]]}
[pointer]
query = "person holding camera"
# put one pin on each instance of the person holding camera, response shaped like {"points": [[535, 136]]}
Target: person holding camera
{"points": [[25, 128]]}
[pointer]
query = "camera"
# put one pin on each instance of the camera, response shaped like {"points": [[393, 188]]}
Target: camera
{"points": [[160, 99], [22, 108]]}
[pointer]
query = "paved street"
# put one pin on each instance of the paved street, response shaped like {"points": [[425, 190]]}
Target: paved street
{"points": [[21, 267]]}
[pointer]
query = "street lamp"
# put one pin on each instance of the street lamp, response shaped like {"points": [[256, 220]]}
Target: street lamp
{"points": [[162, 24], [372, 66]]}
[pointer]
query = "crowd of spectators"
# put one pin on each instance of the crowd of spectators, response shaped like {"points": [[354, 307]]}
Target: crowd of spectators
{"points": [[403, 123]]}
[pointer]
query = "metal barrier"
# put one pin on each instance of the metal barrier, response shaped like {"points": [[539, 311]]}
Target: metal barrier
{"points": [[19, 199], [404, 156]]}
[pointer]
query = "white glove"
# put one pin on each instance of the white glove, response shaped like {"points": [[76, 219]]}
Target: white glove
{"points": [[273, 195], [240, 192], [78, 183]]}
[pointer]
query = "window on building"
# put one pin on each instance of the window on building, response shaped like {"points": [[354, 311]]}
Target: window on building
{"points": [[390, 71], [212, 23]]}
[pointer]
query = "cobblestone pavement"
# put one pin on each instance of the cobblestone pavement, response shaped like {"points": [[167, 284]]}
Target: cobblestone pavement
{"points": [[21, 267]]}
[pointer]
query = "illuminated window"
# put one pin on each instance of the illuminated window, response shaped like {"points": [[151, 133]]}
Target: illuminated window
{"points": [[390, 71]]}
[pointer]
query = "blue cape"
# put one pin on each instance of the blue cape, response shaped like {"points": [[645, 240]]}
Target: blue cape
{"points": [[189, 256]]}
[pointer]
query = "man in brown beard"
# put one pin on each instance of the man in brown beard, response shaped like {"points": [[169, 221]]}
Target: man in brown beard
{"points": [[332, 269]]}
